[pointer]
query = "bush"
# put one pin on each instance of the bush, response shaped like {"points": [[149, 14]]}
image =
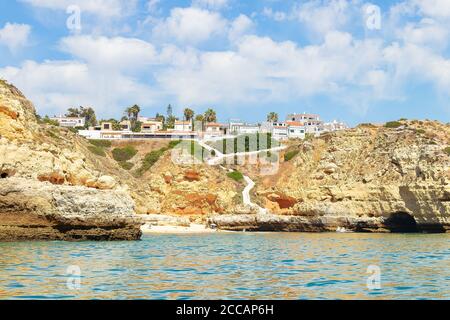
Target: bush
{"points": [[126, 165], [290, 155], [124, 154], [101, 143], [420, 131], [393, 124], [97, 151], [151, 158], [236, 176], [447, 151]]}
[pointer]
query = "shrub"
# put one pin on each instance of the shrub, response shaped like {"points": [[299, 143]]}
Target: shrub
{"points": [[126, 165], [393, 124], [447, 151], [420, 131], [97, 151], [290, 155], [124, 154], [151, 158], [236, 176], [101, 143]]}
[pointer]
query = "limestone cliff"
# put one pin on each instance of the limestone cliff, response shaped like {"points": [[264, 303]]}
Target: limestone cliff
{"points": [[48, 188], [371, 178]]}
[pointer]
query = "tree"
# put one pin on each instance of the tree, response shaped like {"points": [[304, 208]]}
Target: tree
{"points": [[73, 113], [169, 111], [188, 114], [210, 116], [87, 113], [200, 118], [170, 122], [272, 117]]}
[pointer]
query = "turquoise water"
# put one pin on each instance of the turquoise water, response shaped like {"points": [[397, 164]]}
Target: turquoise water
{"points": [[230, 266]]}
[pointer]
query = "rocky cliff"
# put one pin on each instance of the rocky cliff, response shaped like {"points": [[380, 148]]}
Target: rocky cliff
{"points": [[368, 179], [48, 187], [56, 185]]}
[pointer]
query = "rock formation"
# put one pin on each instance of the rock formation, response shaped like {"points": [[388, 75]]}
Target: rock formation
{"points": [[368, 179], [48, 188]]}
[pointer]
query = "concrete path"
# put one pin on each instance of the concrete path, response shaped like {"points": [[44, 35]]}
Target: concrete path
{"points": [[219, 160]]}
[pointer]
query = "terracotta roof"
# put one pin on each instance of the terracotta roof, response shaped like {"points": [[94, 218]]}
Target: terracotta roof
{"points": [[294, 123], [214, 124]]}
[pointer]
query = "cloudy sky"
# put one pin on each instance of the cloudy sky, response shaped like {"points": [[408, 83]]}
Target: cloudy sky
{"points": [[351, 60]]}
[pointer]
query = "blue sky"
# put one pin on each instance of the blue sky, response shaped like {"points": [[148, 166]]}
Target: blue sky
{"points": [[350, 60]]}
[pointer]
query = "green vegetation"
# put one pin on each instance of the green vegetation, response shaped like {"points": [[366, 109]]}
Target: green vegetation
{"points": [[126, 165], [447, 151], [272, 117], [101, 143], [124, 154], [393, 124], [288, 156], [97, 151], [47, 120], [245, 143], [151, 158], [236, 176], [53, 134], [87, 113], [420, 131]]}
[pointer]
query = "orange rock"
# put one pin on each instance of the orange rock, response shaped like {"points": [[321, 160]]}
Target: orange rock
{"points": [[53, 178], [192, 175]]}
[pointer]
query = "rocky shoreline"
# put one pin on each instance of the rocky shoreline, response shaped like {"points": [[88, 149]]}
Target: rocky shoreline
{"points": [[33, 210], [367, 179]]}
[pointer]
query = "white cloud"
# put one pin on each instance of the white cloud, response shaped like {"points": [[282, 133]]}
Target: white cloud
{"points": [[239, 27], [152, 5], [264, 70], [117, 53], [427, 33], [106, 8], [434, 8], [190, 25], [210, 4], [322, 16], [54, 86], [275, 15], [14, 35]]}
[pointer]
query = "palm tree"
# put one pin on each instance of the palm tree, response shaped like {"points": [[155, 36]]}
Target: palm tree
{"points": [[188, 114], [129, 112], [272, 117], [135, 111], [210, 116]]}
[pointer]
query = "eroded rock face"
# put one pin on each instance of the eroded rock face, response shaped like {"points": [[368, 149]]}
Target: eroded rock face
{"points": [[48, 189], [33, 210], [361, 178]]}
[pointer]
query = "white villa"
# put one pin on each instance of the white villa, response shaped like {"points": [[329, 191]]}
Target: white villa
{"points": [[296, 126], [69, 122], [151, 126], [183, 126]]}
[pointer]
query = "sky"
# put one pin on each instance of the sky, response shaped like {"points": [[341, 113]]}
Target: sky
{"points": [[349, 60]]}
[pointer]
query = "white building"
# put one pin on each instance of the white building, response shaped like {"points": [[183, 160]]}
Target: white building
{"points": [[183, 126], [69, 122], [296, 130], [280, 131], [151, 126], [334, 126], [239, 127]]}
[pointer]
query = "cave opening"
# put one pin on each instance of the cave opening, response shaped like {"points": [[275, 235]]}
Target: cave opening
{"points": [[4, 175], [401, 222]]}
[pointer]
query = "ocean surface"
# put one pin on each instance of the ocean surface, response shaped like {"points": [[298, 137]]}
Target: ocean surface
{"points": [[231, 266]]}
